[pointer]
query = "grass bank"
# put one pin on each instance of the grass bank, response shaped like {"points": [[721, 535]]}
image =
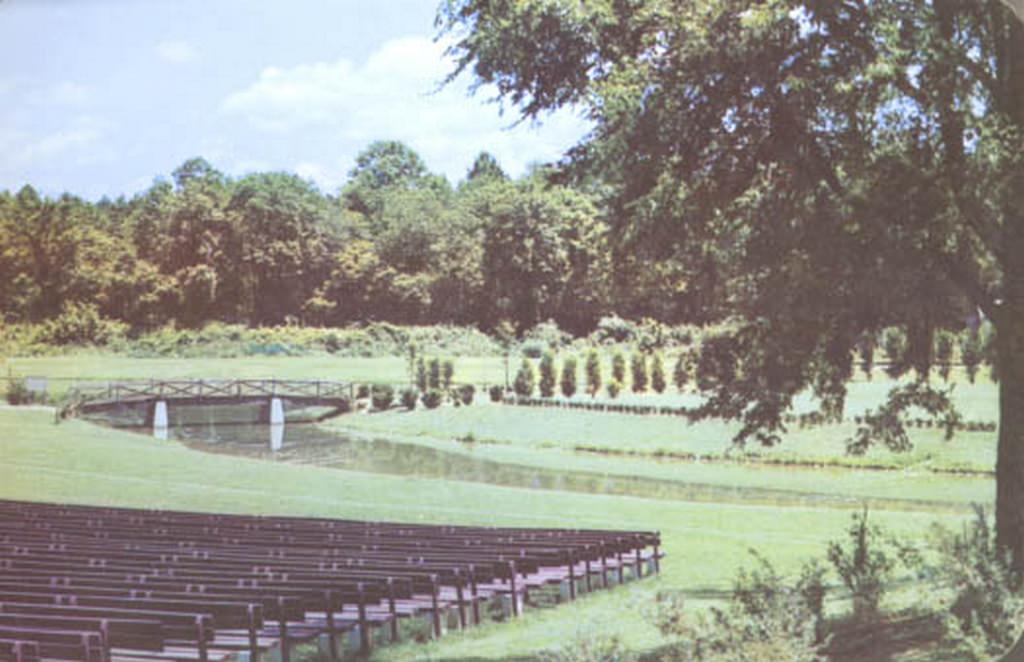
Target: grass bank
{"points": [[81, 463]]}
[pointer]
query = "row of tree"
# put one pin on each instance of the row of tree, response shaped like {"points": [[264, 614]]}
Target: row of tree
{"points": [[398, 244], [646, 371]]}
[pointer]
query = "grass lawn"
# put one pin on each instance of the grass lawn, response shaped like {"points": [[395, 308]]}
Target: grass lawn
{"points": [[706, 542], [660, 436]]}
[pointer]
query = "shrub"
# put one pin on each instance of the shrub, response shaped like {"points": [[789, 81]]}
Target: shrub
{"points": [[525, 379], [496, 393], [987, 334], [619, 367], [593, 370], [409, 398], [568, 382], [864, 567], [432, 398], [681, 371], [447, 373], [657, 373], [614, 329], [362, 391], [421, 374], [638, 371], [894, 342], [766, 619], [17, 392], [944, 341], [547, 335], [596, 646], [466, 393], [79, 324], [988, 604], [434, 374], [532, 349], [614, 388], [382, 396], [970, 352], [866, 349], [547, 375]]}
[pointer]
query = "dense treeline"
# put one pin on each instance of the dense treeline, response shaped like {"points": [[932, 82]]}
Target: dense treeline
{"points": [[398, 244]]}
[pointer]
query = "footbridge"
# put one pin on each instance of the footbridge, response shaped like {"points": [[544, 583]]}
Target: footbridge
{"points": [[159, 394]]}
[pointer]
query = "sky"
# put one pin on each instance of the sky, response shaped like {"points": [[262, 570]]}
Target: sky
{"points": [[101, 97]]}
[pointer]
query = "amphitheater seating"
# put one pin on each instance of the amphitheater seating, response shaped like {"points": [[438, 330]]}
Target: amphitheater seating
{"points": [[101, 584]]}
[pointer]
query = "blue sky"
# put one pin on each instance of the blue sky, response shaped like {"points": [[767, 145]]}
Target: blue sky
{"points": [[99, 97]]}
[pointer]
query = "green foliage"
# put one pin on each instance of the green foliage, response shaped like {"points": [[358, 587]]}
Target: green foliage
{"points": [[766, 619], [447, 373], [614, 388], [866, 349], [987, 609], [618, 367], [79, 324], [970, 352], [18, 393], [434, 373], [409, 398], [432, 398], [592, 645], [593, 370], [422, 382], [466, 393], [568, 381], [382, 396], [865, 567], [658, 373], [548, 335], [944, 343], [894, 343], [888, 158], [525, 379], [547, 375], [638, 372], [681, 371], [496, 393]]}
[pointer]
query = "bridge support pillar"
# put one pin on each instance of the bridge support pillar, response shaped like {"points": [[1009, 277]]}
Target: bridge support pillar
{"points": [[160, 419]]}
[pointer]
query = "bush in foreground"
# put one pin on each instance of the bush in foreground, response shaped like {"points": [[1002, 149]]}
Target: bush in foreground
{"points": [[409, 398], [767, 619], [591, 646], [987, 610], [382, 395]]}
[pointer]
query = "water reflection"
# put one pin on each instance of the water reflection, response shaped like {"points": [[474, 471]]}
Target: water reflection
{"points": [[212, 429]]}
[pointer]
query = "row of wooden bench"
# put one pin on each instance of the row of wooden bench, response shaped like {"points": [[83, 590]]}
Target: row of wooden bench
{"points": [[91, 584]]}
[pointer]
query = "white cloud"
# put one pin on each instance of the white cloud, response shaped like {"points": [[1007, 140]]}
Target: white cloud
{"points": [[64, 93], [394, 95], [177, 52]]}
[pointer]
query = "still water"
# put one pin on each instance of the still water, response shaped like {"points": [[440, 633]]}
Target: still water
{"points": [[233, 430]]}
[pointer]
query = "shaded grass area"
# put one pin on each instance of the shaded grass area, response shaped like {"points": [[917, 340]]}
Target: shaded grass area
{"points": [[706, 542]]}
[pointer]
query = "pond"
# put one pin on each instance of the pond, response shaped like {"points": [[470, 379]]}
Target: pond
{"points": [[231, 430]]}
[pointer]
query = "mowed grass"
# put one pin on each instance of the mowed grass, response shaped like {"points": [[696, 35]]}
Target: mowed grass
{"points": [[80, 463], [665, 437]]}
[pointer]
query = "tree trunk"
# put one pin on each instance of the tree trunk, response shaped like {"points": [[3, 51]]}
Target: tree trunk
{"points": [[1010, 454], [1010, 317]]}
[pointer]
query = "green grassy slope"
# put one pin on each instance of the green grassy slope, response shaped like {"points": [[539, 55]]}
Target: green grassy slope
{"points": [[77, 462]]}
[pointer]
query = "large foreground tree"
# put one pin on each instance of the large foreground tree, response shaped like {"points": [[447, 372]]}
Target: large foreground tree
{"points": [[838, 165]]}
